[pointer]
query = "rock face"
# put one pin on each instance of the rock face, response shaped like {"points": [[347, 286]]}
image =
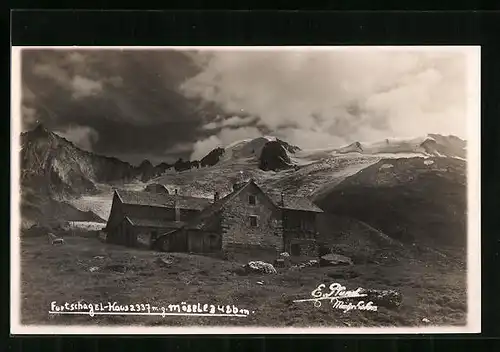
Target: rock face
{"points": [[353, 147], [49, 160], [213, 157], [260, 267], [274, 157], [288, 147], [182, 165], [335, 259], [440, 145]]}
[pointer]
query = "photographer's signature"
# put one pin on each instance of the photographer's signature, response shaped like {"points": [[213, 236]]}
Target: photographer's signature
{"points": [[340, 298]]}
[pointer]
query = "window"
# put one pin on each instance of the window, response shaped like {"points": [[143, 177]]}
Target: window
{"points": [[253, 220], [251, 200]]}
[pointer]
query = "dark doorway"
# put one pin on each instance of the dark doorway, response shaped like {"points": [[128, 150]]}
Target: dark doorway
{"points": [[154, 236], [295, 249], [178, 242]]}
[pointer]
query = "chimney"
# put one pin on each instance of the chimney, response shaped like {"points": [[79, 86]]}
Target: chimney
{"points": [[216, 196], [176, 207], [237, 185], [282, 203]]}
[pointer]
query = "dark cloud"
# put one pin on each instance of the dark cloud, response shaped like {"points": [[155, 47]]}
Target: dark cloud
{"points": [[113, 101]]}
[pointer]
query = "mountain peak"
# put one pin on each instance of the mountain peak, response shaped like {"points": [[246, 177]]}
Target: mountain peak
{"points": [[145, 163], [40, 129]]}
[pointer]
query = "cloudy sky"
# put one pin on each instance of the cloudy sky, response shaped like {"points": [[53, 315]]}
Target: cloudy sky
{"points": [[162, 105]]}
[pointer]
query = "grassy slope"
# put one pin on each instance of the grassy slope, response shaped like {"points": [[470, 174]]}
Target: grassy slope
{"points": [[411, 202], [62, 273]]}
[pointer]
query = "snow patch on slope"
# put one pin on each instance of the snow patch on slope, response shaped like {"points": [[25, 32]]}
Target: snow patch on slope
{"points": [[248, 148], [98, 204]]}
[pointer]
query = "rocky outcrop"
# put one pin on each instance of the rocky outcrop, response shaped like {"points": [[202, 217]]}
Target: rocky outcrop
{"points": [[51, 161], [274, 156], [288, 147], [449, 146], [213, 157], [162, 167], [355, 147], [335, 259], [182, 165]]}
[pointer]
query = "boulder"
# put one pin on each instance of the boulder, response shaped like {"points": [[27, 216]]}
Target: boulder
{"points": [[313, 262], [164, 261], [335, 259], [260, 267]]}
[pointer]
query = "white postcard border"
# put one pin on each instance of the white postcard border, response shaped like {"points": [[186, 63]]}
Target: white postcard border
{"points": [[473, 196]]}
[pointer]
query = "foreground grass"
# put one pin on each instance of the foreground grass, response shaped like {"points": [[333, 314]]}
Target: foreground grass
{"points": [[129, 276]]}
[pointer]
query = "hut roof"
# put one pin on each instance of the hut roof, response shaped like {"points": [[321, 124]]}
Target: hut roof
{"points": [[162, 200]]}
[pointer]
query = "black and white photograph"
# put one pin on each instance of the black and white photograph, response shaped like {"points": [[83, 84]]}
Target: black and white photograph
{"points": [[180, 190]]}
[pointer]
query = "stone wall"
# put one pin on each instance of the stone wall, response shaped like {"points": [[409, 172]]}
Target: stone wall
{"points": [[297, 246], [236, 222], [247, 252]]}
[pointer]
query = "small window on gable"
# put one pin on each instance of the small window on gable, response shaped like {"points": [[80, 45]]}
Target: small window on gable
{"points": [[253, 220], [251, 199]]}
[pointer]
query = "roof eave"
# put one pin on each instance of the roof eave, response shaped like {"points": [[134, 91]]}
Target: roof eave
{"points": [[306, 210]]}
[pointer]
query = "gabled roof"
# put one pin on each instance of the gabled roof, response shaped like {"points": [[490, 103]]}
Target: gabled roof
{"points": [[294, 202], [201, 219], [290, 202], [162, 200]]}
